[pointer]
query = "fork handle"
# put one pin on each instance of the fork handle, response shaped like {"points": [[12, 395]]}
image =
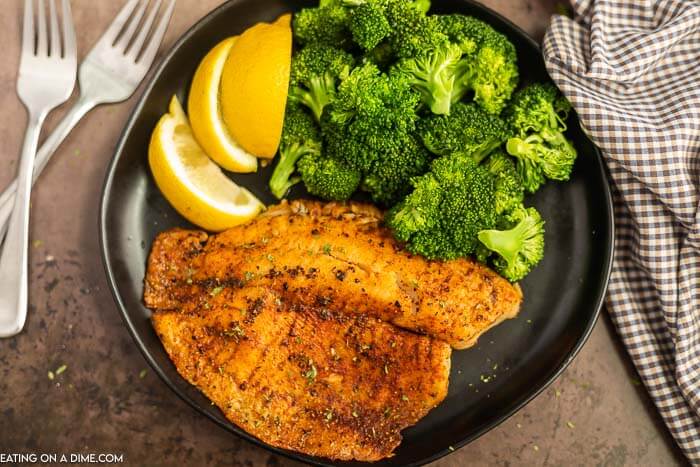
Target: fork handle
{"points": [[82, 106], [14, 268]]}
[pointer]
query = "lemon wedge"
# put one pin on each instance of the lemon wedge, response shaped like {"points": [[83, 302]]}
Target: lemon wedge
{"points": [[204, 111], [193, 184], [254, 86]]}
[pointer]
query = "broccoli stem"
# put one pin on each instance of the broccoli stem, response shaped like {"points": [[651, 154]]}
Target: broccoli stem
{"points": [[481, 154], [518, 147], [506, 243], [442, 102], [320, 92], [281, 180], [521, 247]]}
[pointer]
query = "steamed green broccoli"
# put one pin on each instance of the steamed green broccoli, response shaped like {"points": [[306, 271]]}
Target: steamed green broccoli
{"points": [[402, 22], [468, 130], [464, 31], [537, 117], [368, 70], [521, 247], [386, 180], [492, 72], [509, 190], [328, 178], [368, 25], [300, 137], [327, 25], [448, 207], [413, 32], [370, 111], [438, 74], [315, 72], [536, 107], [370, 127]]}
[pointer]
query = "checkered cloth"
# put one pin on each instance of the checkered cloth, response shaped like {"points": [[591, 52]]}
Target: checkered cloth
{"points": [[631, 69]]}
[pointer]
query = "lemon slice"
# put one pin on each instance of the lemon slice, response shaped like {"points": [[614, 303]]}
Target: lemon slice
{"points": [[204, 111], [194, 185], [254, 86]]}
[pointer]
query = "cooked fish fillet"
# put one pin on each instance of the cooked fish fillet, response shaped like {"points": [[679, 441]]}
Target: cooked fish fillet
{"points": [[305, 378], [339, 257]]}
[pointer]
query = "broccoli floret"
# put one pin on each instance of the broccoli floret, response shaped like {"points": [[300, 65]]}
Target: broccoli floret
{"points": [[508, 185], [300, 136], [492, 61], [448, 207], [327, 25], [419, 211], [539, 158], [413, 33], [402, 22], [463, 31], [386, 180], [316, 70], [370, 116], [519, 248], [537, 116], [328, 178], [468, 130], [537, 107], [368, 25], [438, 75], [370, 127]]}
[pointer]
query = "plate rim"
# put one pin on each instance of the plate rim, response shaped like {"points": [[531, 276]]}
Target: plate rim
{"points": [[106, 258]]}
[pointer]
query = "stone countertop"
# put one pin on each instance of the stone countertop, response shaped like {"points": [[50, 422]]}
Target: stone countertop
{"points": [[107, 400]]}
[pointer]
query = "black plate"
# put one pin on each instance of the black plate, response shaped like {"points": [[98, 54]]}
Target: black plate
{"points": [[510, 365]]}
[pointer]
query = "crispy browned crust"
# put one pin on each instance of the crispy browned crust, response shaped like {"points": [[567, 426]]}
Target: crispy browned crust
{"points": [[286, 325], [340, 257], [305, 378]]}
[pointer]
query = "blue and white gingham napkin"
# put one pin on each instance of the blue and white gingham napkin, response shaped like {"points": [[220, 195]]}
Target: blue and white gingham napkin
{"points": [[631, 69]]}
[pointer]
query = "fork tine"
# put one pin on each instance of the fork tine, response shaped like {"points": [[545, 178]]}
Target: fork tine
{"points": [[28, 28], [42, 39], [113, 30], [151, 49], [55, 43], [134, 21], [141, 37], [70, 50]]}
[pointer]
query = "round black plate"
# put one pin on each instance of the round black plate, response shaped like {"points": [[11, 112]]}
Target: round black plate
{"points": [[510, 365]]}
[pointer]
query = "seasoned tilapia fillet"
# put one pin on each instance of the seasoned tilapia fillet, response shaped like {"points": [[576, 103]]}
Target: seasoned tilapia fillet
{"points": [[303, 377], [338, 257]]}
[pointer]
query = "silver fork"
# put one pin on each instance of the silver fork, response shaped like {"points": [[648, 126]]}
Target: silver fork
{"points": [[110, 73], [46, 79]]}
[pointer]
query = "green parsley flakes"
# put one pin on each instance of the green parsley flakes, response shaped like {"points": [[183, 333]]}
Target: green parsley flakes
{"points": [[311, 373]]}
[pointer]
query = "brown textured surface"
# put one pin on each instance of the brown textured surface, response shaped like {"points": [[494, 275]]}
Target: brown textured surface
{"points": [[594, 414], [268, 365], [288, 364]]}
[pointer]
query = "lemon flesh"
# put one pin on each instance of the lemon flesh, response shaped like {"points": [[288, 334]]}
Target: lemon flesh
{"points": [[254, 86], [204, 111], [193, 184]]}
